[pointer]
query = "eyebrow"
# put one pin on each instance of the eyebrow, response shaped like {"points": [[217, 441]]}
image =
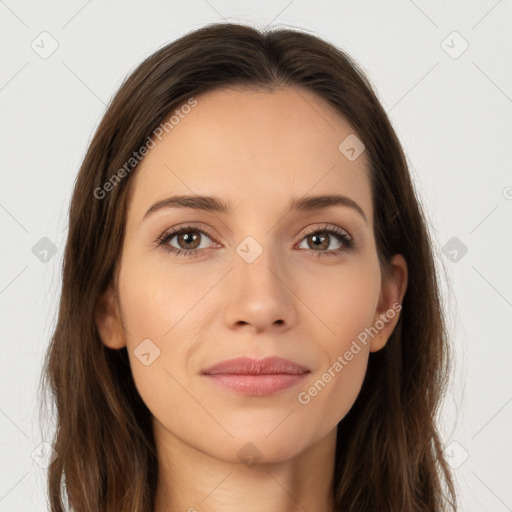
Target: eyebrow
{"points": [[216, 205]]}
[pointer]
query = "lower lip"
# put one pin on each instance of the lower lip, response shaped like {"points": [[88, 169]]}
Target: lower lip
{"points": [[256, 385]]}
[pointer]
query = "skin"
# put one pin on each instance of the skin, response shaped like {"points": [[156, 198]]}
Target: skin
{"points": [[255, 150]]}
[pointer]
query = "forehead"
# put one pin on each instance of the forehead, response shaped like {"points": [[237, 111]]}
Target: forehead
{"points": [[255, 149]]}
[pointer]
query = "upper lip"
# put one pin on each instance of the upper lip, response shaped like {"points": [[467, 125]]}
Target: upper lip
{"points": [[248, 366]]}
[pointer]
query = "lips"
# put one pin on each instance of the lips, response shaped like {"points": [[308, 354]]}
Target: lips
{"points": [[256, 377], [248, 366]]}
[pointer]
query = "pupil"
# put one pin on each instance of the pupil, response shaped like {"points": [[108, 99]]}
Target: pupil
{"points": [[320, 241], [188, 238]]}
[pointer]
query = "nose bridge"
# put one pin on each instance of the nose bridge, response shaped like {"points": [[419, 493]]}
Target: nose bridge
{"points": [[258, 293], [257, 260]]}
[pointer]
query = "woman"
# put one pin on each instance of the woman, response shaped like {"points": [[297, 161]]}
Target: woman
{"points": [[250, 316]]}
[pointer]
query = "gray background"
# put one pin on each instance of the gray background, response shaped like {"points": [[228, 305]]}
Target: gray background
{"points": [[452, 109]]}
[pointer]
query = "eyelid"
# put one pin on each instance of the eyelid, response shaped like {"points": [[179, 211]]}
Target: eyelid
{"points": [[327, 227], [171, 232]]}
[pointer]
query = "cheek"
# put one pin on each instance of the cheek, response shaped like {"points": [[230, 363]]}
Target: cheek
{"points": [[344, 299], [346, 309], [156, 301], [333, 388], [330, 395], [160, 308]]}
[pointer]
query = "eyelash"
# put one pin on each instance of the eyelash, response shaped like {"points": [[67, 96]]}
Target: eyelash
{"points": [[339, 233]]}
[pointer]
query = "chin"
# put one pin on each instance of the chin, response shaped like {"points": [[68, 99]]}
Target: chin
{"points": [[258, 451], [250, 446]]}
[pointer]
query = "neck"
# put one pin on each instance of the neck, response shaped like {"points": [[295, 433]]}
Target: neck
{"points": [[193, 481]]}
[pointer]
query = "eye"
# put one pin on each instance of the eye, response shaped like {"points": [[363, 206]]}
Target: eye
{"points": [[188, 240], [318, 239]]}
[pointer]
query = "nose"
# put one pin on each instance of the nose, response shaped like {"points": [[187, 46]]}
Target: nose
{"points": [[260, 296]]}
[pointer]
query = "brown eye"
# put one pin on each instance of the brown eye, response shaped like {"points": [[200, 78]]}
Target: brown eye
{"points": [[321, 241], [188, 240], [185, 241], [318, 241]]}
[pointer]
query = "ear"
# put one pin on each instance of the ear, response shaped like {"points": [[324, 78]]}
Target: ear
{"points": [[390, 302], [108, 321]]}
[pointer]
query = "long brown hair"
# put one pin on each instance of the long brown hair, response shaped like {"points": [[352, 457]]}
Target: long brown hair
{"points": [[389, 456]]}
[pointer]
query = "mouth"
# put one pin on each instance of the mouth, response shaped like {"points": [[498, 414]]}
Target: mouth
{"points": [[256, 377]]}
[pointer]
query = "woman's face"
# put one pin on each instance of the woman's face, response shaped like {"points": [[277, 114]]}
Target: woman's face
{"points": [[260, 279]]}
